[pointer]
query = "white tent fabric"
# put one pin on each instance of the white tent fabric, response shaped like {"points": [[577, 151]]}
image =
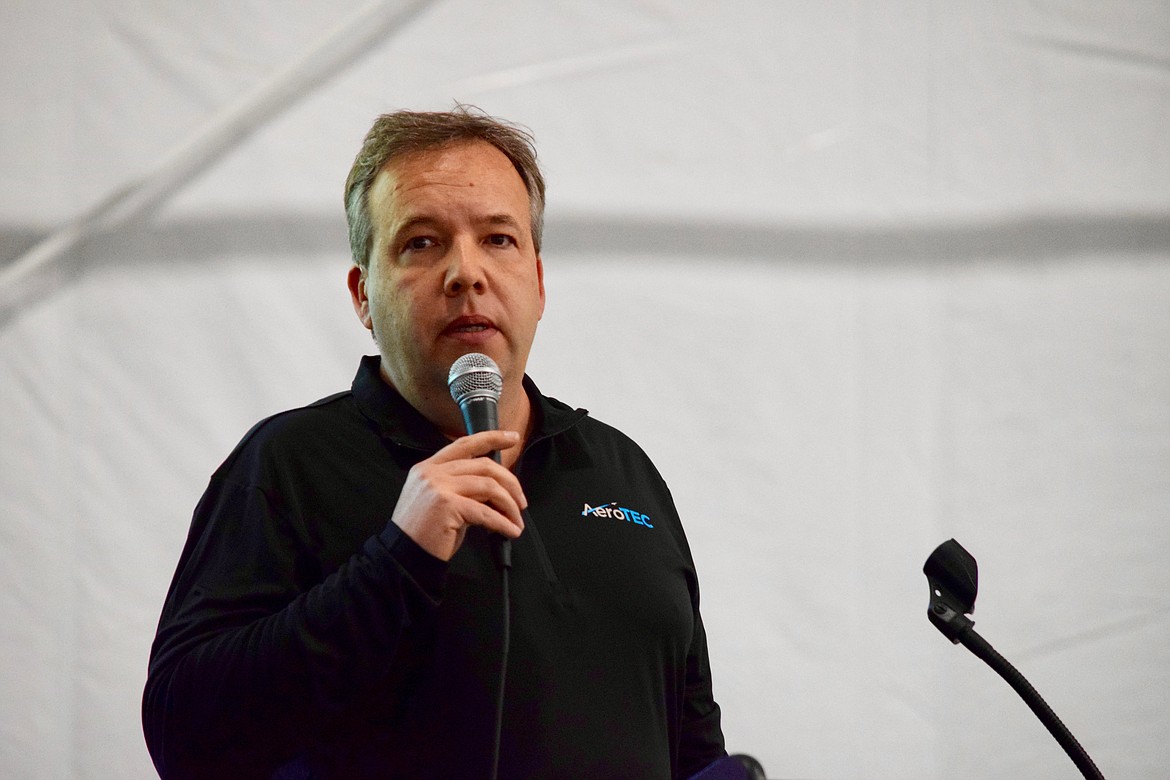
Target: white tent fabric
{"points": [[860, 276]]}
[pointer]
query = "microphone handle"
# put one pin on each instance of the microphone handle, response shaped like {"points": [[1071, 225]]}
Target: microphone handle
{"points": [[481, 414]]}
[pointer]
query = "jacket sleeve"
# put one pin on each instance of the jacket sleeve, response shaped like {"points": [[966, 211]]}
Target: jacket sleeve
{"points": [[701, 735], [247, 664]]}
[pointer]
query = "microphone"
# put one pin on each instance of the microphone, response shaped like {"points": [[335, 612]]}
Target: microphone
{"points": [[953, 576], [475, 383]]}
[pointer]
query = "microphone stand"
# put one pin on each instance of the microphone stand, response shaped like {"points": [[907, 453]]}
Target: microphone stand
{"points": [[953, 576]]}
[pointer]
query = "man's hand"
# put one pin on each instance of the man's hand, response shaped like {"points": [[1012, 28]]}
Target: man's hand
{"points": [[456, 487]]}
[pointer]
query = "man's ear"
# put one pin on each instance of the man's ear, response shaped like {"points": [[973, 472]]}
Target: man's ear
{"points": [[540, 282], [357, 292]]}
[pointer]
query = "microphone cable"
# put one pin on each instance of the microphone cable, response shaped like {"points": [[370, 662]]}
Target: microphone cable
{"points": [[504, 549]]}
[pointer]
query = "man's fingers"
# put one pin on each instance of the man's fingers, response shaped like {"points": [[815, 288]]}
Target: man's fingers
{"points": [[490, 471], [487, 490], [477, 445], [457, 487], [488, 516]]}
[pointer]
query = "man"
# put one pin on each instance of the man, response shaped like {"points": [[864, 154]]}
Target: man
{"points": [[336, 611]]}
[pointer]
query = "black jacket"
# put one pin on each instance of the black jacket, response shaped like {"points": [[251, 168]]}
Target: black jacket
{"points": [[305, 635]]}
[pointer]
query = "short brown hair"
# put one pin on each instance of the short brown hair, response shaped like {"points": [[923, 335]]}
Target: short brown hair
{"points": [[407, 132]]}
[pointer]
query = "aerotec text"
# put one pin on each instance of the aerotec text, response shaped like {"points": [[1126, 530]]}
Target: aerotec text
{"points": [[612, 510]]}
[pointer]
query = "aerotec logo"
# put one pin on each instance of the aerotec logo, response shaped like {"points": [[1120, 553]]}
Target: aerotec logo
{"points": [[612, 510]]}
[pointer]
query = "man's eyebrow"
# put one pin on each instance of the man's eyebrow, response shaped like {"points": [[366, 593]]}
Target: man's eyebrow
{"points": [[414, 222], [502, 219], [506, 220]]}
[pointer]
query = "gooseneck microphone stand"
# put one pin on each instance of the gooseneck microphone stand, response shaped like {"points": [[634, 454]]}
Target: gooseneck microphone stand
{"points": [[954, 582]]}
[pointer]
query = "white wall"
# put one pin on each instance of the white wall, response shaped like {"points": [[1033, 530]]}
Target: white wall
{"points": [[861, 276]]}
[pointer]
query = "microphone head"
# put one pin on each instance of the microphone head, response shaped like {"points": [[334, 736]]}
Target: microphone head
{"points": [[475, 376]]}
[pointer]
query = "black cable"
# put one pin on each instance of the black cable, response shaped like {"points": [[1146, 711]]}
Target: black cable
{"points": [[979, 646], [505, 550]]}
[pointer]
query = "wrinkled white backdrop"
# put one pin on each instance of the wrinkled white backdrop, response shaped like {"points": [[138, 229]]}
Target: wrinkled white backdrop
{"points": [[860, 276]]}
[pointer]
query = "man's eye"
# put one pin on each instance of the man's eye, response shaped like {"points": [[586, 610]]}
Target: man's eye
{"points": [[419, 243], [501, 239]]}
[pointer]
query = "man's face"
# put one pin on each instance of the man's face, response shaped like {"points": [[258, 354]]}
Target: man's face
{"points": [[452, 269]]}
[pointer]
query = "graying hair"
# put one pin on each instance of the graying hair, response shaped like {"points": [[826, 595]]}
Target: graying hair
{"points": [[408, 132]]}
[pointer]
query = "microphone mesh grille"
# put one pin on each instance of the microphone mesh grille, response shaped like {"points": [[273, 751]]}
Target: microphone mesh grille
{"points": [[474, 374]]}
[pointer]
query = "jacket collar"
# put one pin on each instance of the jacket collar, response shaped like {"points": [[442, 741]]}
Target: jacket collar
{"points": [[400, 422]]}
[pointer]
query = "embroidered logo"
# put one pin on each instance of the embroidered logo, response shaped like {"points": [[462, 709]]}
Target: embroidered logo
{"points": [[612, 510]]}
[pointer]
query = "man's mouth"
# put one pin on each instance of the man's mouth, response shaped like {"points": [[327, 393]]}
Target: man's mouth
{"points": [[470, 327]]}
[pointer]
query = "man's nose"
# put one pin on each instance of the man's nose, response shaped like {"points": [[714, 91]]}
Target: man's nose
{"points": [[465, 268]]}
